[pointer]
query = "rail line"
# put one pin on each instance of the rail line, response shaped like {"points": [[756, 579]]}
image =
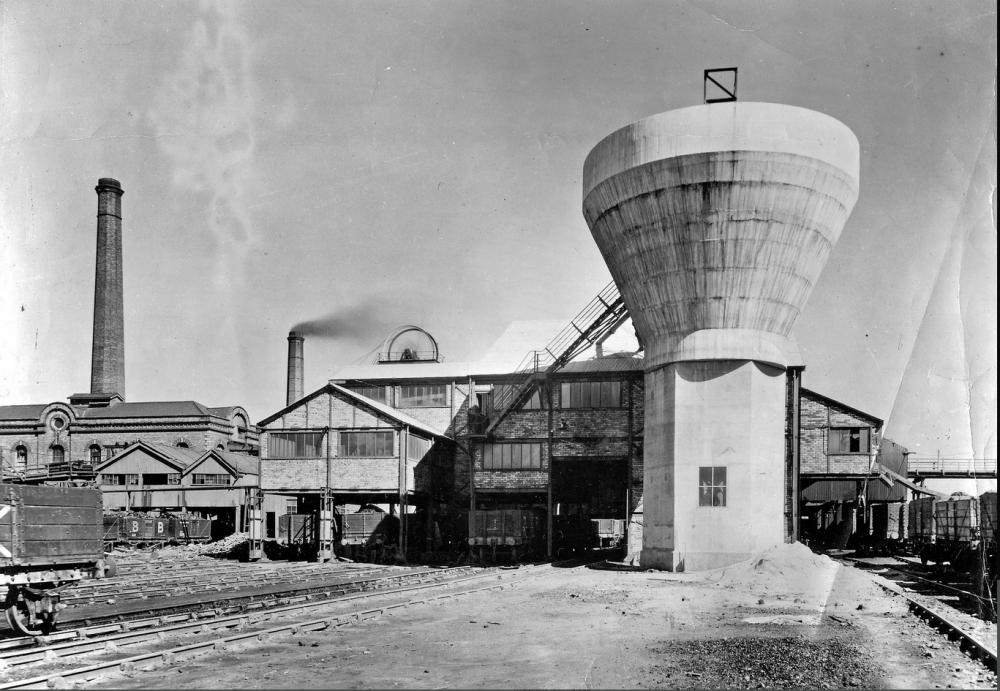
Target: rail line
{"points": [[96, 641], [942, 621]]}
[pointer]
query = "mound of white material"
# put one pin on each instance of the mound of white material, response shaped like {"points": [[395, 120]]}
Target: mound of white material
{"points": [[794, 572]]}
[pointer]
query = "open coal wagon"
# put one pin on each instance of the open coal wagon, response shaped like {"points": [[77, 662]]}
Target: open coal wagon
{"points": [[50, 538]]}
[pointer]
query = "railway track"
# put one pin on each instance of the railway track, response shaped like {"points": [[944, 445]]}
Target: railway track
{"points": [[253, 597], [935, 610], [154, 641]]}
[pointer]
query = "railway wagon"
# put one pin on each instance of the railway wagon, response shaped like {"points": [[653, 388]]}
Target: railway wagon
{"points": [[953, 529], [368, 527], [921, 531], [988, 519], [514, 533], [50, 537], [141, 530], [607, 533]]}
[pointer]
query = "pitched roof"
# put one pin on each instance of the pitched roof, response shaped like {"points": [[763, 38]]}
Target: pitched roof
{"points": [[176, 456], [391, 412], [243, 463], [830, 401], [148, 409], [21, 412], [382, 408]]}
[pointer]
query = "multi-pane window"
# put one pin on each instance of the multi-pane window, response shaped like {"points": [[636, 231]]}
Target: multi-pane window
{"points": [[95, 454], [503, 392], [210, 479], [591, 394], [58, 454], [119, 479], [295, 445], [417, 447], [512, 456], [366, 444], [423, 395], [849, 440], [712, 486], [376, 393]]}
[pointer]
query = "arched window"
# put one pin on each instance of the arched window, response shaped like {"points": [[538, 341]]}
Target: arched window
{"points": [[182, 445], [21, 457], [95, 454], [58, 454]]}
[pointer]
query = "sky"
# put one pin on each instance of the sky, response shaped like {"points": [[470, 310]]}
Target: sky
{"points": [[387, 163]]}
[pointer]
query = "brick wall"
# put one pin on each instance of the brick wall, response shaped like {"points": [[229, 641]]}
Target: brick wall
{"points": [[294, 473], [817, 417]]}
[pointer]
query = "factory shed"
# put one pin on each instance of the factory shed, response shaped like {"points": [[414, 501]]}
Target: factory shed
{"points": [[148, 476], [339, 448], [846, 494]]}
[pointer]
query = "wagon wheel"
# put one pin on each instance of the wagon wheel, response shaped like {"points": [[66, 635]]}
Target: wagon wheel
{"points": [[25, 616]]}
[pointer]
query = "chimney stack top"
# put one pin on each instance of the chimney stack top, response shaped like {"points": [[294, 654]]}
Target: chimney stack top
{"points": [[109, 183]]}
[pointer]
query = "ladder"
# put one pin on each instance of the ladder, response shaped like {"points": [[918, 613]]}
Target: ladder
{"points": [[599, 318]]}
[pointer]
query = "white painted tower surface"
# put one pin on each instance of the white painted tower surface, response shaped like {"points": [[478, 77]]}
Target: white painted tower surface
{"points": [[716, 221]]}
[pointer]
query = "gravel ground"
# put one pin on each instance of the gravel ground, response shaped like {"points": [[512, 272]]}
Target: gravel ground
{"points": [[786, 620]]}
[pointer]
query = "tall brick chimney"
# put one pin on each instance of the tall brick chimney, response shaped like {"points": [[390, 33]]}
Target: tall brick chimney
{"points": [[107, 364], [295, 367]]}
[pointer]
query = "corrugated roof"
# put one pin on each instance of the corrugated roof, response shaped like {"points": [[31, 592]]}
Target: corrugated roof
{"points": [[618, 362], [244, 464], [21, 412]]}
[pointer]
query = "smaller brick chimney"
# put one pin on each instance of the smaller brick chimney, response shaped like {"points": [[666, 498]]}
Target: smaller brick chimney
{"points": [[295, 367]]}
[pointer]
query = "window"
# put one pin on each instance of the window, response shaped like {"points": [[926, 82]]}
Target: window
{"points": [[504, 392], [95, 454], [119, 479], [712, 486], [423, 395], [591, 394], [376, 393], [210, 479], [366, 444], [295, 444], [417, 447], [849, 440], [291, 506], [161, 478], [21, 456], [512, 456], [58, 454]]}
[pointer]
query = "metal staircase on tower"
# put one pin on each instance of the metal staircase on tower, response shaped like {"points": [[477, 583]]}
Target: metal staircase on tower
{"points": [[598, 319]]}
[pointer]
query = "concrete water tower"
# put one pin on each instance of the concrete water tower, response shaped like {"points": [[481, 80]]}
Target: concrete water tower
{"points": [[715, 221]]}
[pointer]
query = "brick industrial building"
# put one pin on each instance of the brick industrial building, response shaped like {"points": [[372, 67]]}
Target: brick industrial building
{"points": [[71, 442], [430, 440]]}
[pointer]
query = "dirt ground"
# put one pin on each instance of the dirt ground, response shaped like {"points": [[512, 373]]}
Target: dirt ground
{"points": [[786, 619]]}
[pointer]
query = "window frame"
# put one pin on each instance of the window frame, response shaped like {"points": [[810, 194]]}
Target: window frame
{"points": [[843, 433], [422, 396], [707, 491], [501, 456], [299, 444], [349, 443], [607, 394]]}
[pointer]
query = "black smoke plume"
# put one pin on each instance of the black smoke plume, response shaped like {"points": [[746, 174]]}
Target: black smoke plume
{"points": [[358, 323]]}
